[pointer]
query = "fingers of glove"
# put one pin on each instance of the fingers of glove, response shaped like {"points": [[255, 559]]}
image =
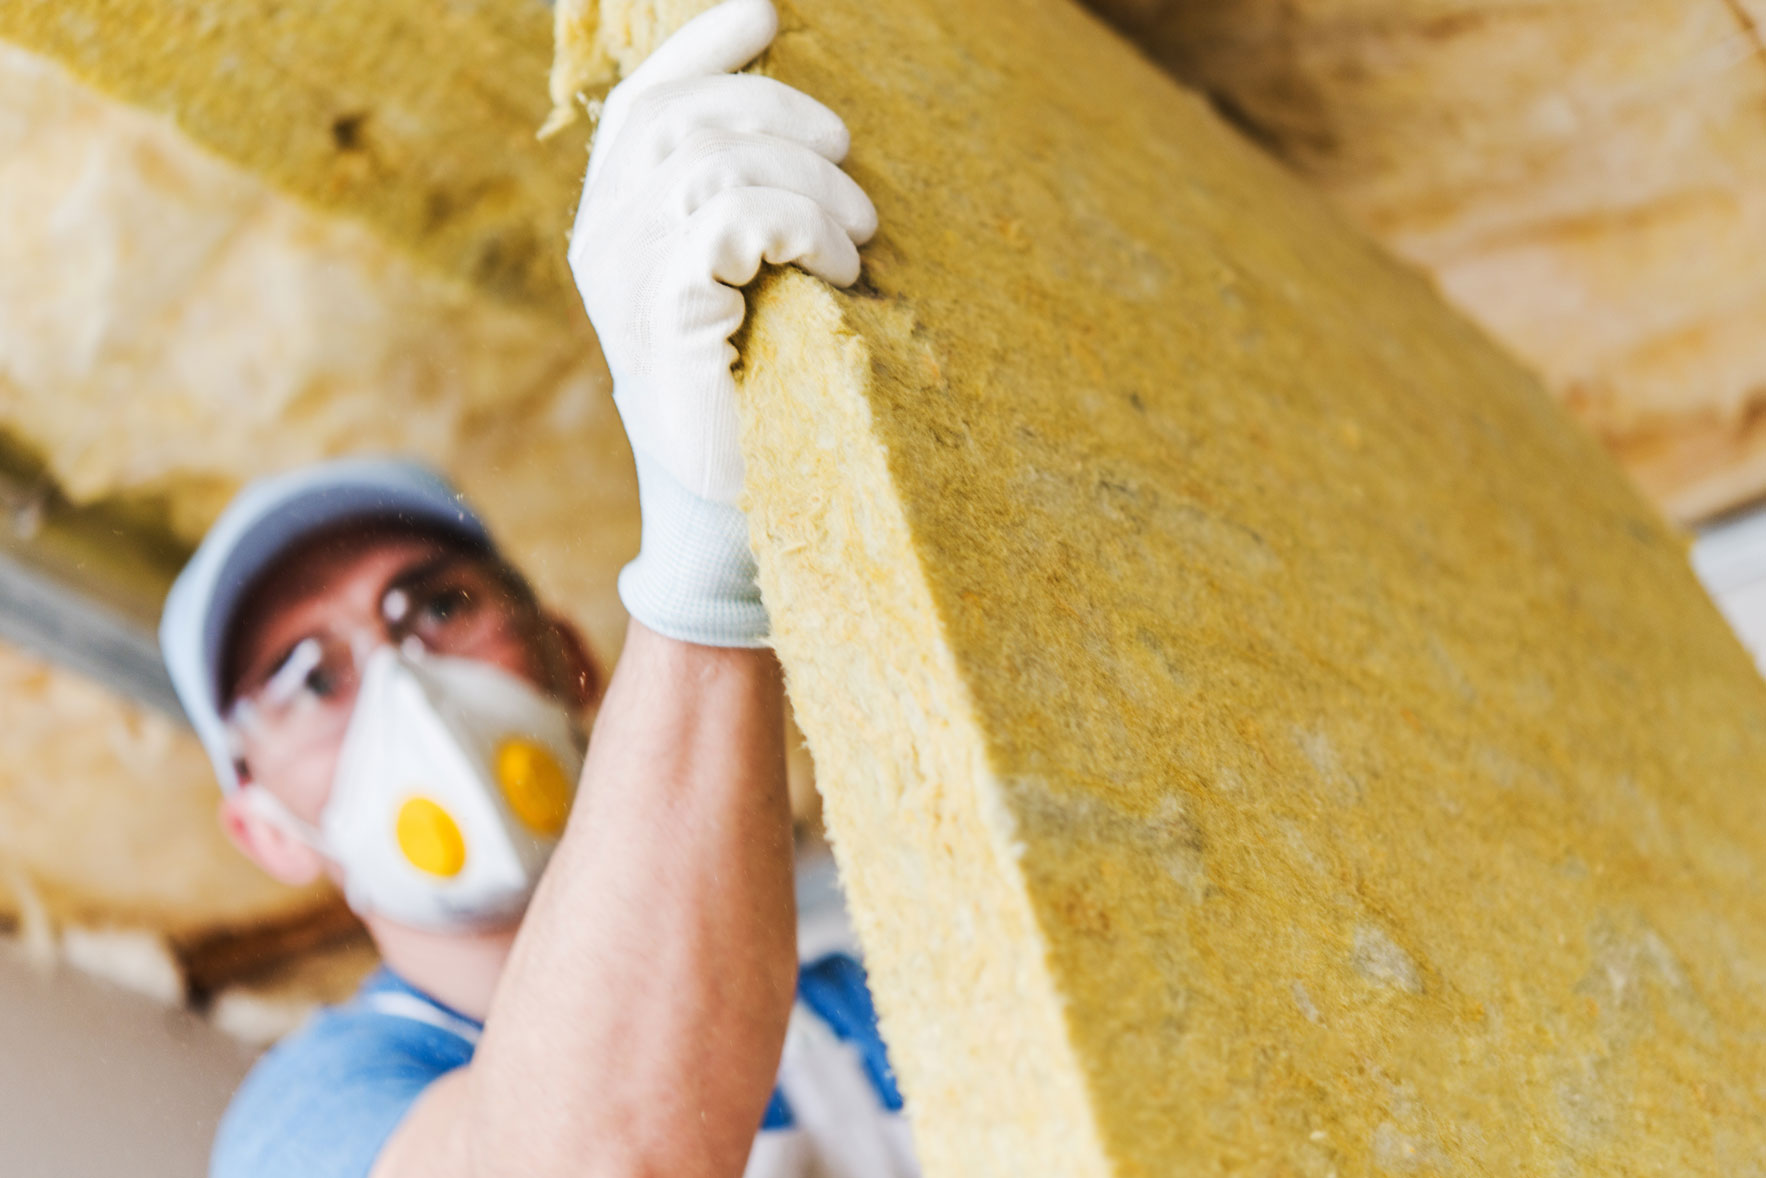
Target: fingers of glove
{"points": [[738, 229], [710, 164], [665, 118], [704, 310], [717, 41]]}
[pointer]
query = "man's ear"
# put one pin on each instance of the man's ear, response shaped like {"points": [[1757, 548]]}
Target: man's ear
{"points": [[581, 676], [265, 843]]}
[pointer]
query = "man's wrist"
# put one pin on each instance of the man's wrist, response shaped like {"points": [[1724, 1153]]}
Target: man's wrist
{"points": [[694, 576]]}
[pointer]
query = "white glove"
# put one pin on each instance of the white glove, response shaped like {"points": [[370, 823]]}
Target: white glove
{"points": [[697, 176]]}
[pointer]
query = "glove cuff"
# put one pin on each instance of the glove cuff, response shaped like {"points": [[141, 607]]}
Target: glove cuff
{"points": [[694, 575]]}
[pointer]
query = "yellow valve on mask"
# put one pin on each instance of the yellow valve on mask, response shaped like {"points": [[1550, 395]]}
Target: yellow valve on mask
{"points": [[430, 838], [534, 785]]}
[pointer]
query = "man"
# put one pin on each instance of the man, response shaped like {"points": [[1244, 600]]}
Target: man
{"points": [[386, 703]]}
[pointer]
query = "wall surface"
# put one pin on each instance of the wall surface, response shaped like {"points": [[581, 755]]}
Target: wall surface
{"points": [[1260, 732], [97, 1081]]}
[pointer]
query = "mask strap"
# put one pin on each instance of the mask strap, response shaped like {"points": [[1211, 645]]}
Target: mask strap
{"points": [[271, 809]]}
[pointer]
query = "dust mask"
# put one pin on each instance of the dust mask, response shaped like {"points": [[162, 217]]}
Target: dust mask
{"points": [[453, 784]]}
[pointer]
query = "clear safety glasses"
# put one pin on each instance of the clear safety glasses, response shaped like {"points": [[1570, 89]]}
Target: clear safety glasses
{"points": [[460, 604]]}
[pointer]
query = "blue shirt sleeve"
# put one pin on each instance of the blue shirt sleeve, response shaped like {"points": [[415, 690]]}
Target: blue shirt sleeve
{"points": [[323, 1103]]}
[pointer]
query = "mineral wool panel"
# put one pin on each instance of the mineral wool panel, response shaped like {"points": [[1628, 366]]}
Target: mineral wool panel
{"points": [[1588, 182], [1261, 733]]}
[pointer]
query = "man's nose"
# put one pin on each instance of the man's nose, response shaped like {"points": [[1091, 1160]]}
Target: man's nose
{"points": [[364, 640]]}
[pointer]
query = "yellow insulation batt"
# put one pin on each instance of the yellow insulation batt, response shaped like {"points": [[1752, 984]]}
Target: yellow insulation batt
{"points": [[1588, 181], [172, 324], [1259, 732], [107, 816], [415, 118]]}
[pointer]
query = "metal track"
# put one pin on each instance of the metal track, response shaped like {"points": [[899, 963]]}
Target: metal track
{"points": [[82, 586]]}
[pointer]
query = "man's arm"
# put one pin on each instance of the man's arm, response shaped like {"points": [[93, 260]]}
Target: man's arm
{"points": [[638, 1025]]}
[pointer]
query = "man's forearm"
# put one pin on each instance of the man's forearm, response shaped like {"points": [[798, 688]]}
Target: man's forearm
{"points": [[638, 1025]]}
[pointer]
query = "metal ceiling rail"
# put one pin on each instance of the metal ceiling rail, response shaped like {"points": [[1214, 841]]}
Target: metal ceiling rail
{"points": [[82, 586]]}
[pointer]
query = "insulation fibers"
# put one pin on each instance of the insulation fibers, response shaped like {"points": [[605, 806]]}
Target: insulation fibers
{"points": [[1259, 732], [108, 813], [171, 325], [1589, 183], [413, 119]]}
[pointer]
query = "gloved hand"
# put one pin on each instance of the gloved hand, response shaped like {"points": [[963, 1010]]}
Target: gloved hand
{"points": [[696, 177]]}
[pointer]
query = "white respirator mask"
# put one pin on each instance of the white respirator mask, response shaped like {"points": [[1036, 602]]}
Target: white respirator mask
{"points": [[453, 783]]}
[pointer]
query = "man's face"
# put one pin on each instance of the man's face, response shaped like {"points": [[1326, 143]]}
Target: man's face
{"points": [[324, 605]]}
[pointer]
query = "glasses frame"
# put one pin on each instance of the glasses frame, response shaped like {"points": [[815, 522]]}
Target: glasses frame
{"points": [[516, 616]]}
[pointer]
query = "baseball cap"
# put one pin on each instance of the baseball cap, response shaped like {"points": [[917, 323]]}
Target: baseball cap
{"points": [[262, 522]]}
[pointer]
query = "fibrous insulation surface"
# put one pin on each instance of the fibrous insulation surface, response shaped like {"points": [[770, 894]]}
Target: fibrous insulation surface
{"points": [[107, 816], [1260, 733], [1588, 181], [411, 118]]}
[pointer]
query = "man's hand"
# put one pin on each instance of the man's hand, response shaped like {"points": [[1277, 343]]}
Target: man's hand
{"points": [[698, 176]]}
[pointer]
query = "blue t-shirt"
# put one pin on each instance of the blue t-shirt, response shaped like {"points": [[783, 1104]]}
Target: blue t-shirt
{"points": [[324, 1101]]}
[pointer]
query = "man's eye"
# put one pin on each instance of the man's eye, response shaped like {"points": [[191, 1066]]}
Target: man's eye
{"points": [[321, 681], [447, 604]]}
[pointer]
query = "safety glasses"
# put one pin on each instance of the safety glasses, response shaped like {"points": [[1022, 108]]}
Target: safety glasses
{"points": [[460, 604]]}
